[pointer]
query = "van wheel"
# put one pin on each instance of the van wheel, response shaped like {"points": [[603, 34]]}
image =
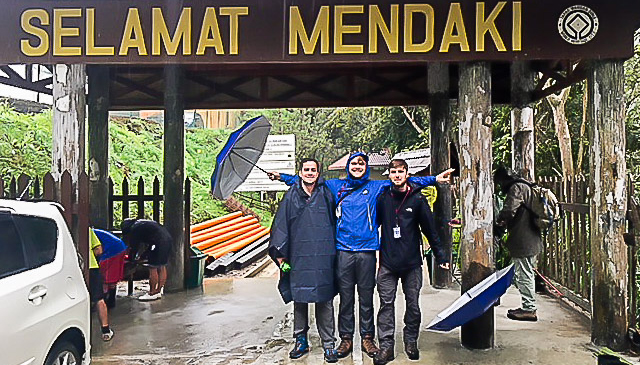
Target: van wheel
{"points": [[63, 353]]}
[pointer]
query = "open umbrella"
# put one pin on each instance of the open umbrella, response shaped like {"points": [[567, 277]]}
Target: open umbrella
{"points": [[111, 244], [239, 155], [474, 302]]}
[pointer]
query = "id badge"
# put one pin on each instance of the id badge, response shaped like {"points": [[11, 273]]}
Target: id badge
{"points": [[396, 232], [338, 211]]}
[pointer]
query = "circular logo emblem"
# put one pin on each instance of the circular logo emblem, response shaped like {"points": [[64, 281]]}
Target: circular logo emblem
{"points": [[578, 24]]}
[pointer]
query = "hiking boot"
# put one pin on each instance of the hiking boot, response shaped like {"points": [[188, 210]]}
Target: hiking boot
{"points": [[383, 356], [369, 345], [345, 347], [411, 348], [330, 355], [301, 347], [522, 315]]}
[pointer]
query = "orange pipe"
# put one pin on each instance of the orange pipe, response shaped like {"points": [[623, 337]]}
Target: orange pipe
{"points": [[217, 239], [238, 245], [213, 222], [220, 226], [234, 240], [204, 237]]}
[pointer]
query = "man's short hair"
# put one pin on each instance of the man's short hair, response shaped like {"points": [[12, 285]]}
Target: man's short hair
{"points": [[305, 160], [126, 225], [397, 163]]}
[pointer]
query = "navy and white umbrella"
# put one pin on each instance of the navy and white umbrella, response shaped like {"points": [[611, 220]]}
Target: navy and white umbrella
{"points": [[238, 157], [474, 302]]}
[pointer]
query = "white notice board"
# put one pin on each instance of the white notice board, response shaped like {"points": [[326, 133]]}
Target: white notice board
{"points": [[279, 155]]}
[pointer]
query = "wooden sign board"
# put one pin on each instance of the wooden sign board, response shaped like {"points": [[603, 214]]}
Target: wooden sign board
{"points": [[279, 155], [302, 31]]}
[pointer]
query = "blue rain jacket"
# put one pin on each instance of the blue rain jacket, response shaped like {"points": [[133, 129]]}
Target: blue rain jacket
{"points": [[356, 227]]}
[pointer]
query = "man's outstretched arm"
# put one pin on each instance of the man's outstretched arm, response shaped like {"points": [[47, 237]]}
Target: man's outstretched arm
{"points": [[290, 180]]}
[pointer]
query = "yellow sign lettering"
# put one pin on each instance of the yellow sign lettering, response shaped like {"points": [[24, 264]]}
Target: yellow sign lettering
{"points": [[133, 37], [340, 29], [516, 33], [390, 36], [455, 23], [488, 25], [297, 31], [90, 36], [210, 26], [43, 37], [160, 33], [429, 40], [59, 32], [234, 14]]}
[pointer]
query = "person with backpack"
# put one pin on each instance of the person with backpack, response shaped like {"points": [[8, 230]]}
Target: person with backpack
{"points": [[357, 241], [525, 238]]}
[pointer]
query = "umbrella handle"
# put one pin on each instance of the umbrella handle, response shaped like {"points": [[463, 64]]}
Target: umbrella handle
{"points": [[251, 163]]}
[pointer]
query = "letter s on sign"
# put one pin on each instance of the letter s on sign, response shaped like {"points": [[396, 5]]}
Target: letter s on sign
{"points": [[25, 44]]}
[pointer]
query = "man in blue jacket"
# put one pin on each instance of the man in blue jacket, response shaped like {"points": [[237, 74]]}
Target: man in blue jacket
{"points": [[357, 242]]}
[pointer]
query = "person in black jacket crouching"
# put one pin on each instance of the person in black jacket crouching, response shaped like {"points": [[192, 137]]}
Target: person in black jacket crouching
{"points": [[402, 213]]}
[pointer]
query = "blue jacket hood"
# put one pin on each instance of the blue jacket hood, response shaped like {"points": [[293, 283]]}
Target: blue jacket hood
{"points": [[355, 183]]}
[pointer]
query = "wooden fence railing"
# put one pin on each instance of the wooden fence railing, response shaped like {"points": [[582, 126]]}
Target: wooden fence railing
{"points": [[566, 258], [74, 202]]}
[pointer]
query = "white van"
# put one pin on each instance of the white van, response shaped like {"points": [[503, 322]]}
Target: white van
{"points": [[44, 303]]}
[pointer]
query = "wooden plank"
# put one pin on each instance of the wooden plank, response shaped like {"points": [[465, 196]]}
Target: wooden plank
{"points": [[125, 193], [82, 219], [140, 198], [13, 188], [66, 198], [576, 238], [156, 199], [23, 187], [187, 228], [98, 102], [49, 187], [37, 194], [1, 188]]}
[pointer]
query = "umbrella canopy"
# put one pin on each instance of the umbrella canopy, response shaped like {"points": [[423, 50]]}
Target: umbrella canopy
{"points": [[474, 302], [111, 245], [239, 156]]}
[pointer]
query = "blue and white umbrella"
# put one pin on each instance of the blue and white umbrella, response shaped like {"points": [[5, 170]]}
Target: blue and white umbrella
{"points": [[238, 157], [474, 302]]}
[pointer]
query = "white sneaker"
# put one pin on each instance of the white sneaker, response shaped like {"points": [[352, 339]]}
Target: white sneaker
{"points": [[107, 336], [148, 297]]}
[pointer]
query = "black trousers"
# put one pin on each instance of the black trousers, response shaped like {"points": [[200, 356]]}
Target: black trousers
{"points": [[387, 288], [356, 269]]}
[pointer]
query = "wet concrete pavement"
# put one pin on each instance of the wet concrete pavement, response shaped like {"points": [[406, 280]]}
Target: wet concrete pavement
{"points": [[243, 321]]}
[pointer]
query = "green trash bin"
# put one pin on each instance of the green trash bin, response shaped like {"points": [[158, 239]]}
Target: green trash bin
{"points": [[196, 268]]}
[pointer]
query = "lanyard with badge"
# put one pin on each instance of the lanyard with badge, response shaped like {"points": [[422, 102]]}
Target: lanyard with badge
{"points": [[396, 229]]}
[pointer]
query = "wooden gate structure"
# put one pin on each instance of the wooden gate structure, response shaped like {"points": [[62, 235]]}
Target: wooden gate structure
{"points": [[188, 54]]}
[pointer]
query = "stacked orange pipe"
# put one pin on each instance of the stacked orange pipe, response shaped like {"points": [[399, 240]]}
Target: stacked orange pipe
{"points": [[220, 226], [232, 232], [234, 240], [217, 233], [239, 245], [215, 221]]}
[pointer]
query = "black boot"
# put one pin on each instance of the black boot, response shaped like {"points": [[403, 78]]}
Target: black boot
{"points": [[301, 347]]}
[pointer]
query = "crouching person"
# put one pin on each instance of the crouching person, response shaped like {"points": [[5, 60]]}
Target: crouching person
{"points": [[402, 213], [303, 245]]}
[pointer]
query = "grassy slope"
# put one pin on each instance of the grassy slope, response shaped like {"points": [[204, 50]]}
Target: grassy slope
{"points": [[135, 151]]}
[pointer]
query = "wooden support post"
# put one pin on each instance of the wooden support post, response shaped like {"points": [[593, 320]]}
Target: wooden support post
{"points": [[476, 193], [522, 143], [69, 103], [608, 204], [98, 107], [173, 182], [440, 134]]}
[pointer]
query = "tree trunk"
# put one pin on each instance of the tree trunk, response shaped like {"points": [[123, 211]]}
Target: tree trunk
{"points": [[476, 193], [609, 278], [68, 120], [522, 142], [440, 135], [173, 187], [558, 103]]}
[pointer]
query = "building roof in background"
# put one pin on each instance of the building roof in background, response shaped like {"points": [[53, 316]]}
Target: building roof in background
{"points": [[378, 160], [418, 160]]}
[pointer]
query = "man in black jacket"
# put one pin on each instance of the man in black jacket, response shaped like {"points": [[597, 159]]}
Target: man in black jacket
{"points": [[402, 213], [303, 238]]}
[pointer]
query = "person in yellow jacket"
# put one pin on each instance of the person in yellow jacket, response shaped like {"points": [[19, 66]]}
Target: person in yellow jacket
{"points": [[96, 290]]}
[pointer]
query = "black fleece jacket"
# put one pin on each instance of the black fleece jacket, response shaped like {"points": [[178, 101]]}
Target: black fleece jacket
{"points": [[413, 215]]}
